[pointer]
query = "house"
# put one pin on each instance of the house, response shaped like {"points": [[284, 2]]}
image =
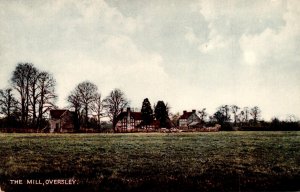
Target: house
{"points": [[189, 119], [129, 120], [61, 121]]}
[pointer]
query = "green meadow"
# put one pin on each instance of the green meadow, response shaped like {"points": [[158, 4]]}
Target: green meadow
{"points": [[219, 161]]}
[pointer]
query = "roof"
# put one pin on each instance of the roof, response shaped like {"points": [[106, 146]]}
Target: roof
{"points": [[186, 115], [193, 123], [57, 113], [134, 115]]}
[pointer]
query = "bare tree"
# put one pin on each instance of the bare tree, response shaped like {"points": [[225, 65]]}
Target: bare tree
{"points": [[33, 95], [87, 92], [291, 118], [46, 96], [114, 103], [8, 104], [202, 114], [97, 108], [224, 109], [234, 110], [22, 81], [74, 100], [36, 92], [175, 119], [82, 99], [244, 115], [222, 115], [255, 113]]}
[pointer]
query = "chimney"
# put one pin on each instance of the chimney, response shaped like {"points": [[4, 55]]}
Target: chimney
{"points": [[194, 111], [128, 117], [184, 112]]}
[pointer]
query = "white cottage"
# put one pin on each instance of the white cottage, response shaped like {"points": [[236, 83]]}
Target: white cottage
{"points": [[61, 120], [189, 119]]}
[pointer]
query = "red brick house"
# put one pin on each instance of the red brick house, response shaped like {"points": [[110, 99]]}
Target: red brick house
{"points": [[189, 119], [61, 121]]}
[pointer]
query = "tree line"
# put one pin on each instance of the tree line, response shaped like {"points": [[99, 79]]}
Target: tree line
{"points": [[35, 96], [31, 95], [89, 107], [240, 116], [232, 117], [26, 102], [246, 118]]}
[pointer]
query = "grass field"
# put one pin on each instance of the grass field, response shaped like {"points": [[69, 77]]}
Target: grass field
{"points": [[222, 161]]}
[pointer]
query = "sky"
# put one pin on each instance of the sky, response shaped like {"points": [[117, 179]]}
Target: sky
{"points": [[192, 54]]}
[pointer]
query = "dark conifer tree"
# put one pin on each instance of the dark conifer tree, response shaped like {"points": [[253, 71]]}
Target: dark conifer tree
{"points": [[147, 113], [161, 114]]}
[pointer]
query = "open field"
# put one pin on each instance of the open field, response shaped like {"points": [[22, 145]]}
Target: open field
{"points": [[222, 161]]}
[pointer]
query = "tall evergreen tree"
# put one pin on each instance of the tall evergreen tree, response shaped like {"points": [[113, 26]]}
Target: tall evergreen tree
{"points": [[161, 114], [147, 113]]}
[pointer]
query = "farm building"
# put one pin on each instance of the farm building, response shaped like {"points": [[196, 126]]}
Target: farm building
{"points": [[189, 119], [129, 120], [61, 121]]}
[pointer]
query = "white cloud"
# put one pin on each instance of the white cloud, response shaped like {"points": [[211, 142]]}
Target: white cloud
{"points": [[76, 41], [214, 43], [189, 56], [229, 20], [190, 36], [274, 45], [257, 48]]}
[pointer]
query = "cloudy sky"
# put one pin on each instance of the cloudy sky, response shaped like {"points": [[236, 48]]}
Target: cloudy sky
{"points": [[191, 54]]}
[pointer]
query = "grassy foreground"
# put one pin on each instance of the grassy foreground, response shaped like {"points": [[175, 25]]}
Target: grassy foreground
{"points": [[223, 161]]}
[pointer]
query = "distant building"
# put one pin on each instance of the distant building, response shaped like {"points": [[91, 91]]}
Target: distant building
{"points": [[129, 120], [189, 119], [61, 121]]}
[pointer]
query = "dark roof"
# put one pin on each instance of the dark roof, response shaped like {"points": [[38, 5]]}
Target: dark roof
{"points": [[134, 115], [57, 113], [121, 115], [186, 115]]}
